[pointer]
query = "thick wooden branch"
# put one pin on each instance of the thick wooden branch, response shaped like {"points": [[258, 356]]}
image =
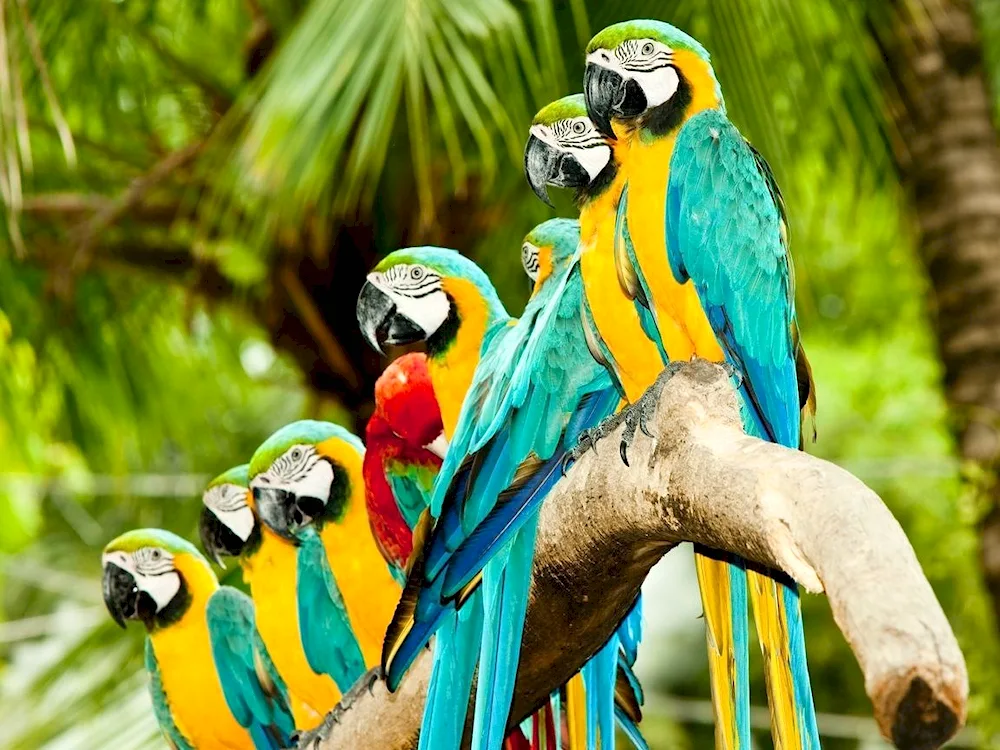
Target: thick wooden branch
{"points": [[704, 480]]}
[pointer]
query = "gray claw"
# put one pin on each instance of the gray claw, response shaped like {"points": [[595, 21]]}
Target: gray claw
{"points": [[311, 740]]}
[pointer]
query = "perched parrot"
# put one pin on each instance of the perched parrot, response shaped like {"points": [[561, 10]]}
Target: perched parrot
{"points": [[212, 682], [434, 295], [229, 528], [404, 446], [308, 488], [701, 244], [562, 140], [535, 376]]}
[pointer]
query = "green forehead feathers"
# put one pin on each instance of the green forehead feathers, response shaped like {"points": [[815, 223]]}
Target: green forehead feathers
{"points": [[303, 432], [671, 36], [136, 539], [449, 263], [238, 475], [562, 235], [566, 108]]}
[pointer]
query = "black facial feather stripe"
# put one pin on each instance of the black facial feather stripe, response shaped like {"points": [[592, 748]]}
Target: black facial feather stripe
{"points": [[412, 280]]}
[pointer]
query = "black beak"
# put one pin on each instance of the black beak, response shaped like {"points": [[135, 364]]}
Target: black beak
{"points": [[275, 509], [541, 164], [545, 165], [285, 512], [600, 90], [217, 539], [121, 595], [608, 94], [381, 323]]}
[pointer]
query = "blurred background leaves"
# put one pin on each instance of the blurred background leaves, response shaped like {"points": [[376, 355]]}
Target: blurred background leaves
{"points": [[192, 192]]}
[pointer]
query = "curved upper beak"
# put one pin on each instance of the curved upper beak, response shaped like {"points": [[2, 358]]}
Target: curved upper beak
{"points": [[217, 539], [545, 165], [121, 594], [275, 508], [603, 90], [541, 164], [438, 446], [381, 323]]}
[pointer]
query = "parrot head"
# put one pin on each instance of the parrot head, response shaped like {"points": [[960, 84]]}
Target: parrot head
{"points": [[227, 521], [565, 148], [411, 296], [548, 248], [405, 402], [149, 575], [647, 73], [298, 476]]}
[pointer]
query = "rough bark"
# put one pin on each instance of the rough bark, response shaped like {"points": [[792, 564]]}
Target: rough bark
{"points": [[704, 480], [950, 163]]}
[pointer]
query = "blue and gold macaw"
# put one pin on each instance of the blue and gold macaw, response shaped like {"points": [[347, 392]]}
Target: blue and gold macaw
{"points": [[424, 293], [210, 677], [334, 595], [701, 245]]}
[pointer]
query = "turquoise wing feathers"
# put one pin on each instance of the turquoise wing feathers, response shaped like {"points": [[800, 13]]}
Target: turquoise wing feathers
{"points": [[726, 232], [253, 691], [161, 708], [324, 626]]}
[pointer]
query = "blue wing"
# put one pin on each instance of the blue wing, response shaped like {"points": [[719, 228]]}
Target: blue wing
{"points": [[726, 232], [161, 706], [324, 626], [501, 462], [252, 688]]}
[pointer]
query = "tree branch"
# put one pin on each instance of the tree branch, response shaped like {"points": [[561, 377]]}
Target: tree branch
{"points": [[703, 480]]}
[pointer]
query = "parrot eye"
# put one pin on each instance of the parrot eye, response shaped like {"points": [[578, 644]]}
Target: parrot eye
{"points": [[155, 554], [296, 454], [647, 48], [416, 273], [579, 128]]}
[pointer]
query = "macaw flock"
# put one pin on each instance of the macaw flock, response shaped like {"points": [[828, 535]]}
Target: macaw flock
{"points": [[360, 556]]}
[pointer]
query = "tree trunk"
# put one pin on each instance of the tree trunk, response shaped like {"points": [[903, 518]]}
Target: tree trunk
{"points": [[950, 163]]}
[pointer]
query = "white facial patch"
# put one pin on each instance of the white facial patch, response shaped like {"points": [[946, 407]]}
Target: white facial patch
{"points": [[153, 571], [577, 137], [299, 470], [417, 293], [592, 158], [648, 62], [228, 503], [659, 86]]}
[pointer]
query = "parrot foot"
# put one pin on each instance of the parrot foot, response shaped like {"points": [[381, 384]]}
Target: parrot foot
{"points": [[312, 739], [635, 417], [640, 414], [588, 439]]}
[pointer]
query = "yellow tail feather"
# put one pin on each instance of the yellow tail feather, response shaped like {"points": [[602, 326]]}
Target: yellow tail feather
{"points": [[772, 631], [576, 712], [713, 580]]}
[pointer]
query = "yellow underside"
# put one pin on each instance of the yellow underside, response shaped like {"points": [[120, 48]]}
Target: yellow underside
{"points": [[451, 372], [685, 331], [369, 591], [576, 712], [271, 575], [187, 669], [635, 358], [713, 580], [769, 616]]}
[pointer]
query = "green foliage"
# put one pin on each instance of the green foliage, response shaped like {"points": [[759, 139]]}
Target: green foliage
{"points": [[409, 111]]}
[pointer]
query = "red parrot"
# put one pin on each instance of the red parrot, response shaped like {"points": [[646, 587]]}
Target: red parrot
{"points": [[405, 444]]}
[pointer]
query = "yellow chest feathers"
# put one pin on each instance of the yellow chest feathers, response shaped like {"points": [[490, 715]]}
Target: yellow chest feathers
{"points": [[271, 574], [187, 670]]}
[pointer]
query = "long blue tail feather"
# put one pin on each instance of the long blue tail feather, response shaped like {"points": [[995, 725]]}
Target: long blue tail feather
{"points": [[505, 593]]}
